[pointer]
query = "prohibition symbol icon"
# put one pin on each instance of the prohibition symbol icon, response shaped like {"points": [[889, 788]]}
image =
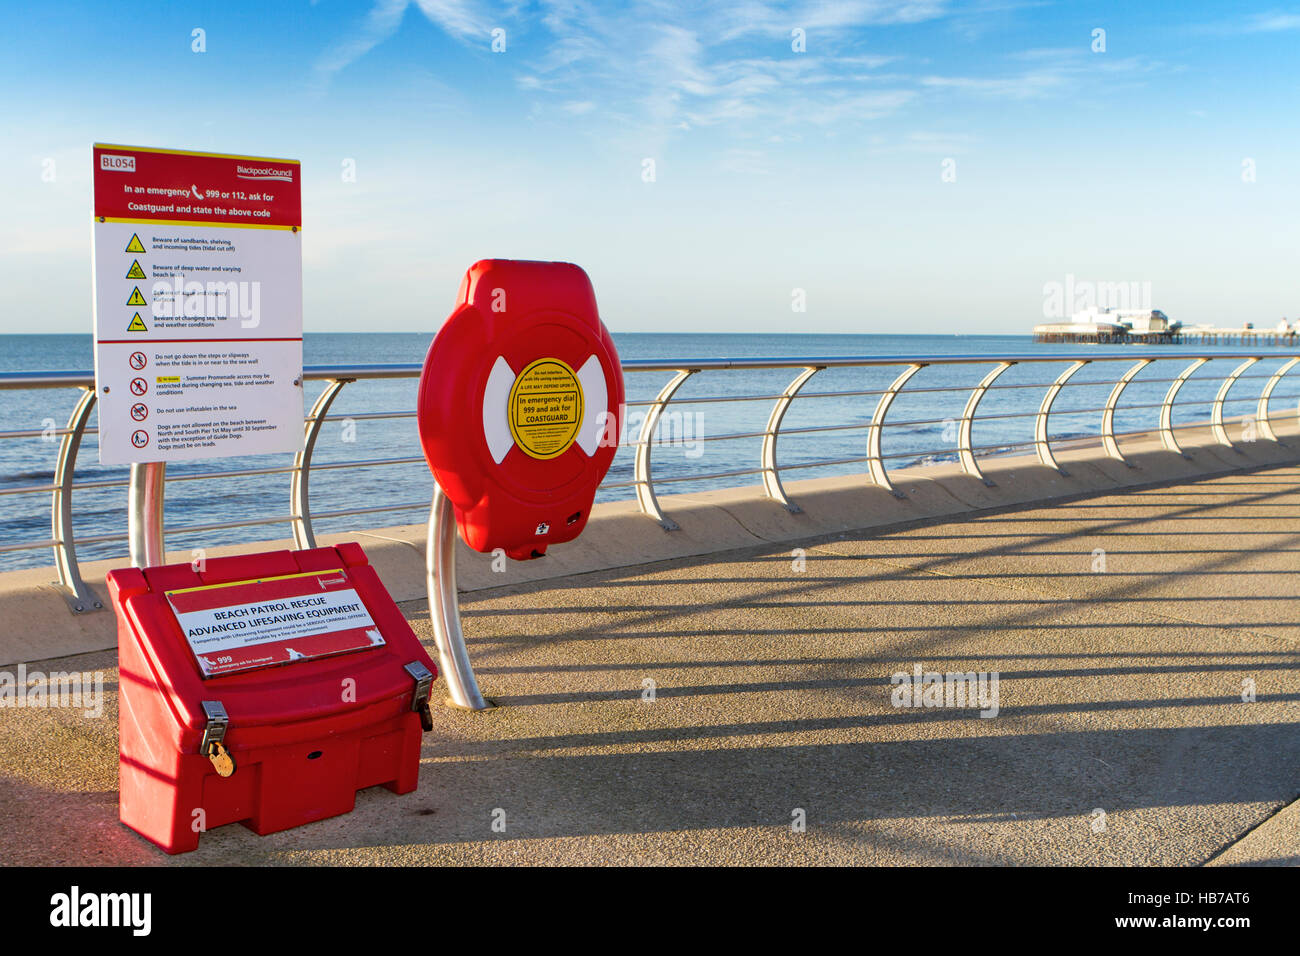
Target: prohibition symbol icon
{"points": [[139, 386], [139, 438], [139, 411], [138, 361]]}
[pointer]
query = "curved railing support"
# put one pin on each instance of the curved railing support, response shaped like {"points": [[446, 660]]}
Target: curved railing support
{"points": [[1261, 413], [1041, 441], [1167, 408], [304, 536], [878, 473], [1108, 416], [645, 489], [444, 605], [964, 430], [771, 475], [1216, 413], [75, 591]]}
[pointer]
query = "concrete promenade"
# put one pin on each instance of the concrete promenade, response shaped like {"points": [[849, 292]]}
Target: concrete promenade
{"points": [[1121, 735]]}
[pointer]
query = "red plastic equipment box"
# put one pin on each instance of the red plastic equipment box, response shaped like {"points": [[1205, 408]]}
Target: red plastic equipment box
{"points": [[304, 733]]}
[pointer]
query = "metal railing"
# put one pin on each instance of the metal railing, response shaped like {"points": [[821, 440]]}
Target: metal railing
{"points": [[147, 482]]}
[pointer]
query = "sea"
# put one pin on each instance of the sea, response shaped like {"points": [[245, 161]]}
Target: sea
{"points": [[692, 444]]}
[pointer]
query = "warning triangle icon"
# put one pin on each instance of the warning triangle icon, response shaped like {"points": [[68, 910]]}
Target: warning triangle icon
{"points": [[137, 324], [135, 245], [136, 297], [135, 272]]}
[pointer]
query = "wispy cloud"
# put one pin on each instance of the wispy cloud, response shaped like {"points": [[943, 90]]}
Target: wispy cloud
{"points": [[1271, 22], [464, 21], [778, 19], [658, 69], [458, 18], [1057, 72], [928, 142], [380, 23], [976, 19], [663, 68]]}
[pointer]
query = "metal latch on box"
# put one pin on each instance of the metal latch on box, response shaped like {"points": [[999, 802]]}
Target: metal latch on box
{"points": [[213, 744], [420, 699]]}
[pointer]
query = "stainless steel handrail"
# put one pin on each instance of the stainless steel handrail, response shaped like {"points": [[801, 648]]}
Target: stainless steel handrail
{"points": [[78, 594], [147, 484]]}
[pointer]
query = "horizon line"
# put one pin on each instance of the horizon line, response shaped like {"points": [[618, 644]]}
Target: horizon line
{"points": [[612, 332]]}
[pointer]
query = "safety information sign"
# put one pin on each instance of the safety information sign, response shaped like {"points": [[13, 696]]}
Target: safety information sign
{"points": [[270, 621], [197, 304], [545, 408]]}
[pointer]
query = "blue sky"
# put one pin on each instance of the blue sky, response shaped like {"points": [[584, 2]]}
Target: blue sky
{"points": [[775, 170]]}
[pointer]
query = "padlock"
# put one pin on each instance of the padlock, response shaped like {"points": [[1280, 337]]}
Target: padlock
{"points": [[221, 759], [214, 734]]}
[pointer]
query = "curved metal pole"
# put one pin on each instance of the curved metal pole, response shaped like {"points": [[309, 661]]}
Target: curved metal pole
{"points": [[878, 473], [771, 476], [144, 514], [964, 430], [1167, 408], [75, 591], [299, 501], [1261, 414], [1108, 416], [444, 605], [645, 491], [1216, 414], [1041, 440]]}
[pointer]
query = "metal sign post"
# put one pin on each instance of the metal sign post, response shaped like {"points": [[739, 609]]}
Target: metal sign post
{"points": [[145, 514]]}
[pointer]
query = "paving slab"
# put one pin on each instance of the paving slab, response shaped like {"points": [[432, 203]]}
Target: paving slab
{"points": [[1222, 550], [1275, 842]]}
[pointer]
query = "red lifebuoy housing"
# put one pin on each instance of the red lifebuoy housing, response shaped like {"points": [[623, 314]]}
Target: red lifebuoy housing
{"points": [[519, 405]]}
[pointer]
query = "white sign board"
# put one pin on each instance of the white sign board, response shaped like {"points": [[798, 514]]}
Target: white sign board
{"points": [[197, 304]]}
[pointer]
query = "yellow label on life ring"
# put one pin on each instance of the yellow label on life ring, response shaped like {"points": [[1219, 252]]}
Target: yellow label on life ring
{"points": [[545, 408]]}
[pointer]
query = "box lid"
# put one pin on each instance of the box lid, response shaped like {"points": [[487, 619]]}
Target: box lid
{"points": [[270, 689]]}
